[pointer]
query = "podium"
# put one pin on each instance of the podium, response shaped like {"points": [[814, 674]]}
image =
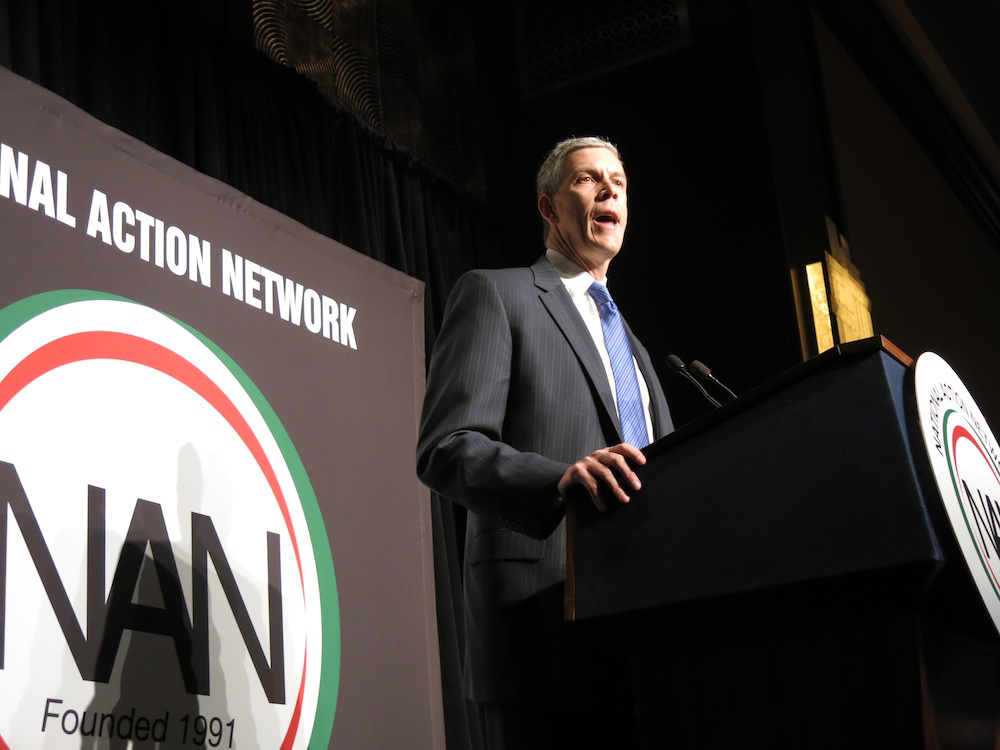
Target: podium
{"points": [[787, 578]]}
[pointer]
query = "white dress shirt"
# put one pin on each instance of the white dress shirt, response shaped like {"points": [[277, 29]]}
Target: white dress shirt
{"points": [[577, 282]]}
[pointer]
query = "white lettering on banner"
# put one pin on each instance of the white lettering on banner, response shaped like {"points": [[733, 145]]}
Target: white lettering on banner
{"points": [[29, 182], [44, 196], [259, 287], [121, 226]]}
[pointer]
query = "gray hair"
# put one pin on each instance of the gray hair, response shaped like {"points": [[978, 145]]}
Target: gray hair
{"points": [[550, 173]]}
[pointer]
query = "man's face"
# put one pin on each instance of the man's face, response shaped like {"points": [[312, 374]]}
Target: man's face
{"points": [[588, 214]]}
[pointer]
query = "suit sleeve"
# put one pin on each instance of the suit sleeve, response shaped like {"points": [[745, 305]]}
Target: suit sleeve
{"points": [[461, 453]]}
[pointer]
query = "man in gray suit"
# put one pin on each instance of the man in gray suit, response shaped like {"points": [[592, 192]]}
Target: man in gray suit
{"points": [[528, 406]]}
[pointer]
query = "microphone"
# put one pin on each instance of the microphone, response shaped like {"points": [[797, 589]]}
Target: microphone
{"points": [[705, 374], [677, 365]]}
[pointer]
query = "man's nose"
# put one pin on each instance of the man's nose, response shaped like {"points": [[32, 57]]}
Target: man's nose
{"points": [[608, 190]]}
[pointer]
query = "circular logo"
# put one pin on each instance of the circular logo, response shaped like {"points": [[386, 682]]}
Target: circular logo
{"points": [[165, 574], [964, 459]]}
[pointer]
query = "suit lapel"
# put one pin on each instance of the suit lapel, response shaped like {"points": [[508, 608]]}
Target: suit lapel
{"points": [[557, 301]]}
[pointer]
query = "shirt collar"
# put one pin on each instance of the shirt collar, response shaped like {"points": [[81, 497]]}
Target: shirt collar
{"points": [[577, 280]]}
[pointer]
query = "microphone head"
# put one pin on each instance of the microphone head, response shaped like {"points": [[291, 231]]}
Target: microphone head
{"points": [[700, 369], [676, 363]]}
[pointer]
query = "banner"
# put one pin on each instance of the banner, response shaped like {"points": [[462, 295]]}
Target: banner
{"points": [[211, 533]]}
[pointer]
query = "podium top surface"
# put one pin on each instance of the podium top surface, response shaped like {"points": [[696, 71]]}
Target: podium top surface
{"points": [[826, 360]]}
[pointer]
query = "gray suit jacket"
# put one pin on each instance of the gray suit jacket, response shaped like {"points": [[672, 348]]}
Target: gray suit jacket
{"points": [[516, 392]]}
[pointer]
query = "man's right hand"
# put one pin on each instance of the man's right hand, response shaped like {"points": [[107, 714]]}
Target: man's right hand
{"points": [[605, 475]]}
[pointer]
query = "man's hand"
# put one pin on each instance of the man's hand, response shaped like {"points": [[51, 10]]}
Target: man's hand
{"points": [[604, 475]]}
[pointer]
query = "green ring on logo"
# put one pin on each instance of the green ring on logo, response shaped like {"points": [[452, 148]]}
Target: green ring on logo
{"points": [[949, 458]]}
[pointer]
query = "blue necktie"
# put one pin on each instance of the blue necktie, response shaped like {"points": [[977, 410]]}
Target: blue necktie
{"points": [[630, 411]]}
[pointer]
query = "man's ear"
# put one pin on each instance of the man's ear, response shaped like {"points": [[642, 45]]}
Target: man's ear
{"points": [[546, 209]]}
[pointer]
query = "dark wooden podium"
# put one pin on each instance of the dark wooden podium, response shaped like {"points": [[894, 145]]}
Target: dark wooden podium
{"points": [[787, 577]]}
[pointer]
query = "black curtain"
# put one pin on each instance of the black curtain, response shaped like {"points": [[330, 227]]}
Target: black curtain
{"points": [[159, 71]]}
